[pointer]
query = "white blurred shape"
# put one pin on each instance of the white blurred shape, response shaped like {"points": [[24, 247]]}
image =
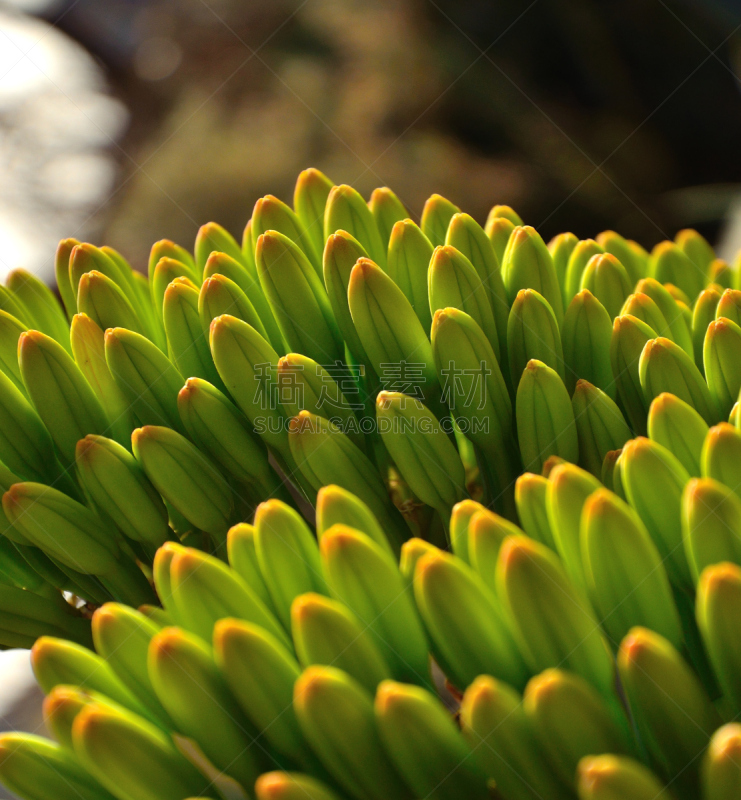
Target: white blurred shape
{"points": [[77, 179]]}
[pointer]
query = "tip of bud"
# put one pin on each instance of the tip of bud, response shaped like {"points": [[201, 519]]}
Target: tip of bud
{"points": [[389, 694], [719, 577], [636, 643], [166, 643], [516, 550], [306, 605]]}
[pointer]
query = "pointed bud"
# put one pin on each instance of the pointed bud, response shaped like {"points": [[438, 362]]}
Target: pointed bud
{"points": [[133, 758], [722, 359], [41, 304], [532, 332], [426, 745], [61, 270], [61, 395], [664, 693], [272, 214], [721, 456], [146, 377], [561, 247], [570, 721], [346, 210], [696, 248], [411, 552], [460, 518], [336, 716], [586, 334], [642, 307], [624, 572], [118, 486], [104, 302], [600, 425], [243, 560], [336, 505], [387, 210], [614, 777], [499, 229], [409, 256], [297, 298], [527, 264], [621, 248], [648, 471], [504, 212], [174, 252], [545, 420], [702, 315], [422, 451], [720, 274], [486, 533], [381, 601], [291, 786], [212, 237], [679, 330], [629, 337], [670, 264], [185, 477], [729, 306], [436, 216], [606, 278], [327, 632], [678, 427], [721, 775], [192, 690], [447, 590], [665, 367], [553, 624], [530, 497], [309, 201], [86, 258], [504, 742], [583, 251], [261, 671]]}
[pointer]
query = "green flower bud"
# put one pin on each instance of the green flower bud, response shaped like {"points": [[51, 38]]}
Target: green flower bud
{"points": [[61, 395], [260, 672], [240, 542], [696, 248], [41, 304], [504, 742], [702, 315], [629, 336], [336, 505], [722, 360], [436, 216], [336, 716], [611, 473], [291, 786], [711, 524], [552, 623], [664, 694], [204, 590], [567, 490], [583, 251], [721, 777], [527, 264], [561, 247], [720, 273], [729, 306], [679, 330], [460, 518], [721, 456], [185, 477], [118, 487], [164, 248], [309, 201], [670, 264], [58, 662], [665, 367], [210, 238], [388, 328], [608, 281], [346, 210], [545, 420], [145, 376], [387, 210], [35, 768], [624, 572], [678, 427], [122, 637], [532, 332], [642, 307], [504, 212], [600, 425], [718, 603], [409, 257], [104, 302], [219, 429], [425, 744], [486, 533], [327, 632], [192, 690], [422, 451], [222, 264], [133, 758], [530, 497], [61, 270], [586, 335], [61, 707], [381, 601], [621, 248], [167, 270], [499, 229], [447, 590], [10, 331], [297, 298], [411, 552], [570, 721], [272, 214], [648, 471], [614, 778]]}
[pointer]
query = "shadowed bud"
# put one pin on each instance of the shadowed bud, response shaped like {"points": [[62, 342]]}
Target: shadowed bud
{"points": [[460, 518], [530, 497], [387, 210], [561, 247], [347, 211], [61, 270], [499, 229], [702, 315], [629, 336], [436, 216], [240, 543], [336, 505], [615, 777], [309, 201], [696, 248], [411, 552], [720, 273], [678, 327], [635, 265], [722, 360], [221, 295], [678, 427], [532, 332], [600, 425], [721, 773], [291, 786], [586, 334], [43, 307], [721, 456], [729, 306], [605, 277], [409, 257], [642, 307], [272, 214], [670, 264], [583, 251]]}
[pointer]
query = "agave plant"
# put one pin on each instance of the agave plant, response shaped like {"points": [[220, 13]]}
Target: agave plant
{"points": [[367, 509]]}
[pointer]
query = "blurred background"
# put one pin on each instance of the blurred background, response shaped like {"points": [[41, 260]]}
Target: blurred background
{"points": [[126, 121]]}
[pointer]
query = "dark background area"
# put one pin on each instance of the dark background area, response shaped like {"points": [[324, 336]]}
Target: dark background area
{"points": [[583, 115]]}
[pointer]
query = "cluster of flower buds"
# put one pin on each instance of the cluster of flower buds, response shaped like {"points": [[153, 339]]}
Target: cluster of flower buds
{"points": [[523, 462]]}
